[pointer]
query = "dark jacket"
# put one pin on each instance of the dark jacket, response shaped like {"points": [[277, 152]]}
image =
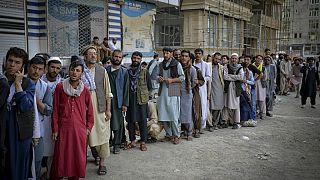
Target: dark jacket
{"points": [[310, 81], [4, 92]]}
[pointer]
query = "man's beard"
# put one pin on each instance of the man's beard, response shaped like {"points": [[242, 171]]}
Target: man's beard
{"points": [[117, 63], [92, 61], [135, 64], [52, 75]]}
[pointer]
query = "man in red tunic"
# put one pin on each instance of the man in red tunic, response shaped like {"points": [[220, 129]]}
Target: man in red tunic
{"points": [[72, 121]]}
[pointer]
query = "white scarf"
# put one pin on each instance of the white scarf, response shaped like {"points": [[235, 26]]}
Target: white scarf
{"points": [[69, 90]]}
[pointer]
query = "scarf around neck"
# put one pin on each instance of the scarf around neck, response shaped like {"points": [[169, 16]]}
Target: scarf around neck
{"points": [[56, 82], [234, 67], [69, 90], [186, 70], [134, 72], [172, 66], [87, 78]]}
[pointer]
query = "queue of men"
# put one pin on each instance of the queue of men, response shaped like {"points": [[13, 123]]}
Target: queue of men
{"points": [[47, 122]]}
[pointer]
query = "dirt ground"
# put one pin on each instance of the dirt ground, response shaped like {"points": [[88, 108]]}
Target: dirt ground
{"points": [[286, 146]]}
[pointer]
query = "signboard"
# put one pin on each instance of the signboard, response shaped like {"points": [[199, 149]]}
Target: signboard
{"points": [[137, 21]]}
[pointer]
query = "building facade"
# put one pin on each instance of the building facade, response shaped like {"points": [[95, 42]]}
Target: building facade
{"points": [[301, 27]]}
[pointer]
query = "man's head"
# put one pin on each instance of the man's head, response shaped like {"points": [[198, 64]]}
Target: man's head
{"points": [[241, 59], [259, 60], [267, 60], [185, 57], [105, 40], [136, 58], [116, 57], [224, 59], [267, 52], [167, 53], [310, 61], [16, 58], [216, 59], [198, 53], [90, 54], [234, 58], [75, 71], [36, 67], [209, 58], [95, 40], [156, 56], [177, 54], [296, 61], [281, 56], [54, 67], [246, 61]]}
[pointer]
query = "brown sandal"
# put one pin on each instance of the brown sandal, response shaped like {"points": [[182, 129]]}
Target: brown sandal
{"points": [[143, 147], [131, 145], [176, 140]]}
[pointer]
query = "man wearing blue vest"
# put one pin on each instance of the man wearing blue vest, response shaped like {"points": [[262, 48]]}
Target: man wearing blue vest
{"points": [[119, 83]]}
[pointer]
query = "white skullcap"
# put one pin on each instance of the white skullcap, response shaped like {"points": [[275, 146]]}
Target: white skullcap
{"points": [[55, 59], [234, 54]]}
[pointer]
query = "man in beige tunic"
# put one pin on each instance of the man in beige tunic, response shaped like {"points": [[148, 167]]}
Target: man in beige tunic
{"points": [[96, 78]]}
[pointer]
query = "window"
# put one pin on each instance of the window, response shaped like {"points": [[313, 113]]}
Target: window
{"points": [[314, 11], [300, 35], [314, 24], [212, 26], [236, 33], [295, 35], [314, 36], [314, 1], [225, 33]]}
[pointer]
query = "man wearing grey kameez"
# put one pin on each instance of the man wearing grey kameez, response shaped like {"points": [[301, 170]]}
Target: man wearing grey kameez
{"points": [[170, 73], [216, 96], [270, 70], [186, 117]]}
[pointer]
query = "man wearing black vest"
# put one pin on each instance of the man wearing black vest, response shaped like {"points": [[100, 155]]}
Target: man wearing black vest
{"points": [[19, 117], [98, 81], [140, 85]]}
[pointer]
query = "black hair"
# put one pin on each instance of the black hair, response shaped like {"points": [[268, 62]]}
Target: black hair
{"points": [[176, 50], [267, 49], [226, 56], [54, 62], [186, 51], [75, 64], [260, 56], [37, 60], [116, 51], [144, 63], [311, 59], [167, 49], [18, 53], [198, 50], [155, 55], [136, 53], [105, 39], [96, 37], [216, 54], [247, 56], [106, 59], [74, 58]]}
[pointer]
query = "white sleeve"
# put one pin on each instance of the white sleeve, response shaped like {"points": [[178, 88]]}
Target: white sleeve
{"points": [[36, 122]]}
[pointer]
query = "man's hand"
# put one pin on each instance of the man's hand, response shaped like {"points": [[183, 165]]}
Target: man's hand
{"points": [[17, 81], [35, 141], [108, 115], [244, 81], [124, 108], [161, 79], [54, 136], [169, 81]]}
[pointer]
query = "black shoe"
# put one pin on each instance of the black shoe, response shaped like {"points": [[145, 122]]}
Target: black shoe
{"points": [[236, 126], [116, 150], [224, 125], [269, 114]]}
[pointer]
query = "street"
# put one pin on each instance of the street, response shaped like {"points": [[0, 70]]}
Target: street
{"points": [[286, 146]]}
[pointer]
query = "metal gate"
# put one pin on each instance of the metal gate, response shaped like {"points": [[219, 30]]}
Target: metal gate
{"points": [[12, 26], [73, 23]]}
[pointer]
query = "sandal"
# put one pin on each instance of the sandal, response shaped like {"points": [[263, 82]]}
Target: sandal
{"points": [[131, 145], [102, 170], [176, 140], [143, 147]]}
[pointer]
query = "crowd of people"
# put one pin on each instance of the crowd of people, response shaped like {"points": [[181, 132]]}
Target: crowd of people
{"points": [[49, 121]]}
